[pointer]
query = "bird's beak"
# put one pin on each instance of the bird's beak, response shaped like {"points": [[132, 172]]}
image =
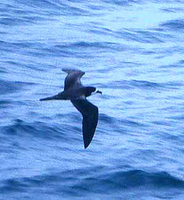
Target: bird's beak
{"points": [[98, 91], [55, 97]]}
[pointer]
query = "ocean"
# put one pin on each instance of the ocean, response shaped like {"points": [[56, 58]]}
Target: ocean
{"points": [[130, 50]]}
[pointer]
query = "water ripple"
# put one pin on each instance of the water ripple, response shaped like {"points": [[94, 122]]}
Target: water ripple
{"points": [[112, 181], [133, 52], [174, 25]]}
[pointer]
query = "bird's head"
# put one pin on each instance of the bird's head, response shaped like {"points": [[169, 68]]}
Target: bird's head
{"points": [[90, 90]]}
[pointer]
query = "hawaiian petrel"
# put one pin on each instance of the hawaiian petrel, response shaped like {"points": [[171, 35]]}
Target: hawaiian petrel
{"points": [[77, 93]]}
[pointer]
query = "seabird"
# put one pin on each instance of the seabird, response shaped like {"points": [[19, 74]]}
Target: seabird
{"points": [[77, 93]]}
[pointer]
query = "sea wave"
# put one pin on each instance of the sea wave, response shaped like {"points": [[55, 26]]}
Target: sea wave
{"points": [[94, 181], [131, 51]]}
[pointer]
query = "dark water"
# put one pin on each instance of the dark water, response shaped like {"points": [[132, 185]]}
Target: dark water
{"points": [[130, 50]]}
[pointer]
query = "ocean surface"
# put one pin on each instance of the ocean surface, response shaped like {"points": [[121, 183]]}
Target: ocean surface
{"points": [[133, 51]]}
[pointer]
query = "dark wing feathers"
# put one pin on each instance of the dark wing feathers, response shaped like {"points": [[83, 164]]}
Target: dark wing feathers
{"points": [[73, 78], [90, 118]]}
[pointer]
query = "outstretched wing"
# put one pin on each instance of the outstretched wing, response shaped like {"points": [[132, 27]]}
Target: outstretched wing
{"points": [[73, 78], [90, 119]]}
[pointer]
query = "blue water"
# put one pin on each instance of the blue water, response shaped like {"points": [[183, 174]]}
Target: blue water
{"points": [[130, 50]]}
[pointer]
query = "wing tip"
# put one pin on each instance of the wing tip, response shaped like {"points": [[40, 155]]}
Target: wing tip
{"points": [[69, 70], [66, 70], [87, 141], [86, 145]]}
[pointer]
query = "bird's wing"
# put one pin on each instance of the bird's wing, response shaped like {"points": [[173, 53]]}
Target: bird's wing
{"points": [[90, 118], [73, 78]]}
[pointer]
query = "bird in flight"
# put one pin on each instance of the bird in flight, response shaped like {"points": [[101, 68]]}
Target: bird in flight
{"points": [[77, 93]]}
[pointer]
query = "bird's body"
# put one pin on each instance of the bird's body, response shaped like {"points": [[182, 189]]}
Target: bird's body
{"points": [[77, 93]]}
